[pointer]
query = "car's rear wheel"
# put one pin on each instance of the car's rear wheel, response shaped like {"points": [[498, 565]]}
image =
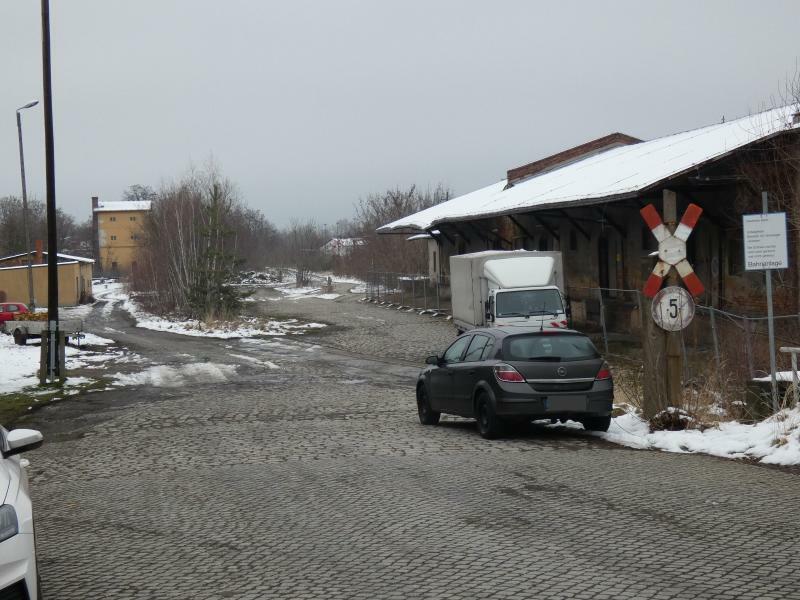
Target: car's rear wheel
{"points": [[489, 424], [596, 423], [427, 416]]}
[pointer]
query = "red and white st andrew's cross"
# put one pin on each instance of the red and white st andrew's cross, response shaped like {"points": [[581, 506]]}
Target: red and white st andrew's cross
{"points": [[672, 250]]}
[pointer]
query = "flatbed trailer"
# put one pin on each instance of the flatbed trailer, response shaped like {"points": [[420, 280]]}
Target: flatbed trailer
{"points": [[22, 331]]}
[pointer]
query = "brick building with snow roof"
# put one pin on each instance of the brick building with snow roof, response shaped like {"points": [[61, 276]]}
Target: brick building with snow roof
{"points": [[585, 202]]}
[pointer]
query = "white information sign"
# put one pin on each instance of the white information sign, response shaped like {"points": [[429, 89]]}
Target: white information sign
{"points": [[673, 308], [765, 242]]}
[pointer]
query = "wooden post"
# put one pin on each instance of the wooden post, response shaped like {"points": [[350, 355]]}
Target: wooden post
{"points": [[674, 364], [663, 360]]}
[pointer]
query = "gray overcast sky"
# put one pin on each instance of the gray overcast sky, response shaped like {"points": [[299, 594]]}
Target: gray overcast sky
{"points": [[309, 105]]}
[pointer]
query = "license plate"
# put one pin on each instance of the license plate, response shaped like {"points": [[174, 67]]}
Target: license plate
{"points": [[566, 404]]}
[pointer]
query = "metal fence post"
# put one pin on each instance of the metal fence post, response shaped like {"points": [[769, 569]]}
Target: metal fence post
{"points": [[402, 291], [413, 290], [714, 336], [794, 378], [603, 318], [748, 348], [425, 294], [437, 294]]}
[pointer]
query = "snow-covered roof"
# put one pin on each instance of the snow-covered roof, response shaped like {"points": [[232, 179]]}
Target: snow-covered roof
{"points": [[62, 257], [123, 206], [614, 174]]}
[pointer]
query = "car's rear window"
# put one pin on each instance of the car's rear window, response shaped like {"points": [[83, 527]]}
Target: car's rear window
{"points": [[550, 346]]}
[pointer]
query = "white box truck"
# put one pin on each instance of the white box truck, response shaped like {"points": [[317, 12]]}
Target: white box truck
{"points": [[498, 288]]}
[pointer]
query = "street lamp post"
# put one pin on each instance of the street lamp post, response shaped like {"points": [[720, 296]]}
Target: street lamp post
{"points": [[31, 298]]}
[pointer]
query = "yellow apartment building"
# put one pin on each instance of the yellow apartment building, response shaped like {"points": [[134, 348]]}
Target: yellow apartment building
{"points": [[74, 279], [118, 234]]}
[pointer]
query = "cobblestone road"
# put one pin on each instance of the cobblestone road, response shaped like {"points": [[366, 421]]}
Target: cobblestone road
{"points": [[315, 480]]}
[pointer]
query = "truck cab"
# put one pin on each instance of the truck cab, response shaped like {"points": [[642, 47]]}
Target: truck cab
{"points": [[532, 306]]}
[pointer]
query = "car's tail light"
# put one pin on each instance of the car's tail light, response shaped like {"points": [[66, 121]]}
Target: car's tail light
{"points": [[508, 374], [604, 373]]}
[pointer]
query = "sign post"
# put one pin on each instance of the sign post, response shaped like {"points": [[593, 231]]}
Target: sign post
{"points": [[672, 308], [765, 249]]}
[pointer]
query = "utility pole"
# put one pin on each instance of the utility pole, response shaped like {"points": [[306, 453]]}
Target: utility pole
{"points": [[55, 370], [31, 298]]}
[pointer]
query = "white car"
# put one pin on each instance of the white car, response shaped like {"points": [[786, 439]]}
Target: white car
{"points": [[18, 571]]}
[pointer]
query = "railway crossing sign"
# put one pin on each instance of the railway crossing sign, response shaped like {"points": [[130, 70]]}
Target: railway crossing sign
{"points": [[673, 308], [672, 250]]}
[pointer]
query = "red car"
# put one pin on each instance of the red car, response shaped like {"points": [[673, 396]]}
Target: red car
{"points": [[9, 310]]}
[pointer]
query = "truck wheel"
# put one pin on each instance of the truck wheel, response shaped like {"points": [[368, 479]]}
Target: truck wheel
{"points": [[596, 423], [20, 339], [489, 425], [427, 416]]}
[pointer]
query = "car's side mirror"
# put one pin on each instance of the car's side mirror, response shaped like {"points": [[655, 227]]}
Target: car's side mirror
{"points": [[22, 440], [432, 360]]}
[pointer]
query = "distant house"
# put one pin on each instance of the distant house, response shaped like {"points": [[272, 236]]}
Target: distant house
{"points": [[74, 278], [341, 246], [117, 234]]}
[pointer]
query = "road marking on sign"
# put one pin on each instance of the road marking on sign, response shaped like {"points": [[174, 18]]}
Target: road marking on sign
{"points": [[672, 250]]}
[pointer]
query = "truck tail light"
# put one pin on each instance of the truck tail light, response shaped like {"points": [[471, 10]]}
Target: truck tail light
{"points": [[604, 373], [508, 374]]}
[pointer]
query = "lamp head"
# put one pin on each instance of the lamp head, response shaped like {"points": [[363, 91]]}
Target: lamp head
{"points": [[28, 105]]}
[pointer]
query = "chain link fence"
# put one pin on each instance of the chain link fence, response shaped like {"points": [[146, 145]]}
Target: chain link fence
{"points": [[409, 291], [724, 353]]}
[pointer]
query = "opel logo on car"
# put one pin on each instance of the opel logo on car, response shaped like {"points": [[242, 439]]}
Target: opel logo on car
{"points": [[562, 371]]}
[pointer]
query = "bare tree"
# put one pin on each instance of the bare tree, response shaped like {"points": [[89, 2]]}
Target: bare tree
{"points": [[138, 193], [190, 255], [392, 253]]}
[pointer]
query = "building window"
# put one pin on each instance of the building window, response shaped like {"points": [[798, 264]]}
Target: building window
{"points": [[113, 238], [542, 243], [112, 218], [134, 237], [133, 218]]}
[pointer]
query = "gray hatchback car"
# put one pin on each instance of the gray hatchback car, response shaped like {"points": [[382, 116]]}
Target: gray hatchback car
{"points": [[502, 374]]}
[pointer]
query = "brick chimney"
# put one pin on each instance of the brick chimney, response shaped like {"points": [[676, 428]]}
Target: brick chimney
{"points": [[561, 159], [39, 246]]}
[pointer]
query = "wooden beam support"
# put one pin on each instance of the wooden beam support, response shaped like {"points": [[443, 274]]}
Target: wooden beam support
{"points": [[575, 224], [546, 226], [443, 234], [459, 232], [604, 218], [521, 226]]}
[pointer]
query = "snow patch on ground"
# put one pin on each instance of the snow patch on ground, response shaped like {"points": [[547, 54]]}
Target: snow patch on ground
{"points": [[775, 440], [779, 376], [298, 293], [167, 376], [21, 363], [247, 328], [90, 339]]}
